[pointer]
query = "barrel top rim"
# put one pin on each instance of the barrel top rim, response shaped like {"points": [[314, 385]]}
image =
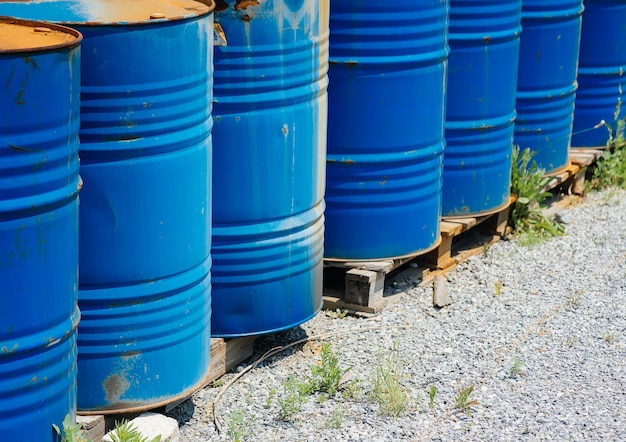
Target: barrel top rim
{"points": [[78, 37], [113, 12]]}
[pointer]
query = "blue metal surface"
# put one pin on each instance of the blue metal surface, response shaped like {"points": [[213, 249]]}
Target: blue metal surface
{"points": [[270, 111], [144, 338], [38, 229], [484, 46], [385, 127], [546, 85], [601, 72]]}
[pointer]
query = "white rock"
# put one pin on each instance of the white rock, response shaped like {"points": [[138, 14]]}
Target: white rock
{"points": [[151, 425]]}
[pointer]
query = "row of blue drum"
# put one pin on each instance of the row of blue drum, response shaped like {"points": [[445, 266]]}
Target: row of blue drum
{"points": [[217, 179]]}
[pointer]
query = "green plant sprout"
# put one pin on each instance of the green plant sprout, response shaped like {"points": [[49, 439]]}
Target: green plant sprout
{"points": [[529, 182]]}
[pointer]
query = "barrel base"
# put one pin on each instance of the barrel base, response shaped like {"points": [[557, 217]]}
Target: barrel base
{"points": [[146, 407], [393, 258], [266, 308]]}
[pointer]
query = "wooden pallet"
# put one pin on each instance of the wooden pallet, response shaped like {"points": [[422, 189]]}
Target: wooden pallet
{"points": [[360, 286], [452, 229], [572, 178]]}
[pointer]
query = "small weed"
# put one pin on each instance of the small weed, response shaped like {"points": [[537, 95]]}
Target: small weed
{"points": [[516, 368], [576, 298], [71, 432], [528, 182], [610, 169], [462, 400], [498, 286], [269, 400], [336, 418], [337, 314], [238, 427], [610, 337], [326, 376], [294, 397], [486, 247], [324, 379], [126, 432], [217, 383], [432, 392], [610, 197], [571, 340], [388, 392], [352, 390]]}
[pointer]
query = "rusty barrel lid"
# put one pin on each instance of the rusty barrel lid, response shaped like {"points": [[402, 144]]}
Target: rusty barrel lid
{"points": [[31, 36], [109, 12]]}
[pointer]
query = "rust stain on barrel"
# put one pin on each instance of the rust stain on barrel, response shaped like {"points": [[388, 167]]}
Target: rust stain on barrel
{"points": [[242, 5]]}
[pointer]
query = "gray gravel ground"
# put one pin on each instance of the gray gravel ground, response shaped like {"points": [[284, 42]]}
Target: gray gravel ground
{"points": [[539, 332]]}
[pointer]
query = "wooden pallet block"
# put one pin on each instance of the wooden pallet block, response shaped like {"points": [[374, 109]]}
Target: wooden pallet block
{"points": [[572, 178], [226, 354], [356, 286], [583, 158], [494, 224]]}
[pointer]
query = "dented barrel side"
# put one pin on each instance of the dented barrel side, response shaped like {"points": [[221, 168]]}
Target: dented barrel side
{"points": [[546, 86], [270, 112], [39, 185], [480, 113], [601, 73], [385, 127]]}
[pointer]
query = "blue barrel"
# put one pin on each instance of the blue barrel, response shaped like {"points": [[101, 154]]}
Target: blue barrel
{"points": [[484, 47], [385, 127], [270, 111], [39, 185], [546, 85], [144, 293], [601, 72]]}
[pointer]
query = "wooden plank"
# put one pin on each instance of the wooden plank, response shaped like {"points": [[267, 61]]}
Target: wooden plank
{"points": [[596, 152], [498, 222], [450, 228], [238, 350], [334, 303], [218, 359], [375, 266], [563, 176], [578, 187], [466, 223], [582, 159], [441, 257]]}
